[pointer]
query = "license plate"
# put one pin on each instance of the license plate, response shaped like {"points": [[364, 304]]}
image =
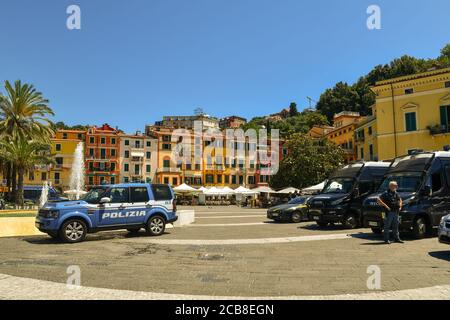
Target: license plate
{"points": [[373, 224], [316, 218]]}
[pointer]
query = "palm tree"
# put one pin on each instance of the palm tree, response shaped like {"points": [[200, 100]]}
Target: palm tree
{"points": [[23, 113], [25, 155]]}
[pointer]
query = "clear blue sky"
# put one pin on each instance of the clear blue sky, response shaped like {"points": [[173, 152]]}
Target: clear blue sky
{"points": [[134, 61]]}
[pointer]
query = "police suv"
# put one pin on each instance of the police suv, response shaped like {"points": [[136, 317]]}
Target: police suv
{"points": [[124, 206], [423, 180]]}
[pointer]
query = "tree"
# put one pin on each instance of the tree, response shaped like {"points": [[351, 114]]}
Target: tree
{"points": [[24, 112], [293, 110], [358, 97], [24, 155], [23, 115], [310, 161]]}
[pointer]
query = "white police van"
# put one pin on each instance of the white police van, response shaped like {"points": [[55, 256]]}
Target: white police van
{"points": [[130, 206]]}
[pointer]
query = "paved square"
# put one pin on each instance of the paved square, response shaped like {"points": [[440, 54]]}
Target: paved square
{"points": [[232, 251]]}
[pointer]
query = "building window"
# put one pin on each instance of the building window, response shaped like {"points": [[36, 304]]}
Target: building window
{"points": [[113, 152], [219, 178], [113, 140], [92, 140], [58, 147], [126, 167], [127, 142], [57, 178], [445, 118], [102, 153], [209, 178], [166, 163], [227, 179], [64, 135], [80, 136], [371, 151], [31, 176], [233, 179], [447, 84], [148, 168], [362, 153], [149, 143], [102, 140], [410, 120], [370, 131], [251, 180], [166, 180], [127, 154], [148, 155], [136, 169], [166, 146], [113, 180], [113, 166], [409, 91], [91, 181], [43, 176], [126, 179]]}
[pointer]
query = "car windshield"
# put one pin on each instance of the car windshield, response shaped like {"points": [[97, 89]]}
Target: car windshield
{"points": [[94, 195], [339, 185], [407, 182], [298, 200]]}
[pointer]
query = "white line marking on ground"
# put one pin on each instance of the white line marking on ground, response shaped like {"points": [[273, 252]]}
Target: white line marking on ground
{"points": [[225, 224], [19, 288], [229, 217], [196, 242]]}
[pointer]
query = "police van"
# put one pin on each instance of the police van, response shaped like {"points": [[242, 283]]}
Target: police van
{"points": [[130, 206], [423, 180], [341, 199]]}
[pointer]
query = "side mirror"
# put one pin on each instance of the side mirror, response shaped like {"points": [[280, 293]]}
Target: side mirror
{"points": [[105, 200], [426, 191]]}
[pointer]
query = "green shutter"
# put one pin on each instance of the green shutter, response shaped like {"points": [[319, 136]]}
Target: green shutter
{"points": [[444, 123]]}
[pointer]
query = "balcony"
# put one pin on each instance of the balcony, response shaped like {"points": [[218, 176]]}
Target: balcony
{"points": [[438, 129], [168, 170]]}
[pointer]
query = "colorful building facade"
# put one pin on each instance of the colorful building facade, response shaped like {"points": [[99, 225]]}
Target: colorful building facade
{"points": [[343, 133], [138, 158], [413, 112], [102, 155]]}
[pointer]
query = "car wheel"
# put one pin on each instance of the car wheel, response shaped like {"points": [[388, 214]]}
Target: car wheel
{"points": [[377, 230], [322, 224], [156, 226], [420, 228], [296, 217], [350, 221], [73, 231]]}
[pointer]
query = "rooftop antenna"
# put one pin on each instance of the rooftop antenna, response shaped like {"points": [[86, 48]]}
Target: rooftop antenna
{"points": [[310, 100]]}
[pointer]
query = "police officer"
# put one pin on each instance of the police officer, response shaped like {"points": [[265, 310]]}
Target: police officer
{"points": [[393, 203]]}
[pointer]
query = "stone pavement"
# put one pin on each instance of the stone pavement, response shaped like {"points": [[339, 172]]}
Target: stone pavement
{"points": [[228, 258]]}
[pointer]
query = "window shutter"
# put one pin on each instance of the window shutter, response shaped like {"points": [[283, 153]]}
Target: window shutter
{"points": [[444, 123]]}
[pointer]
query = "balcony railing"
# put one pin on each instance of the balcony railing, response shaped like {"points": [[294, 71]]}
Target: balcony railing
{"points": [[168, 170]]}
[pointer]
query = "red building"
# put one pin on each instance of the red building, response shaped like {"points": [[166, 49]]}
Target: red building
{"points": [[102, 155]]}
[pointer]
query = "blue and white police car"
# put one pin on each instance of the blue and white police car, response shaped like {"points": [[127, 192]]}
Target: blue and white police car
{"points": [[444, 230], [130, 206]]}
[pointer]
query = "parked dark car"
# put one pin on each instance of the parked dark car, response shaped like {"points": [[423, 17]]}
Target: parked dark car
{"points": [[294, 211], [423, 180], [33, 194]]}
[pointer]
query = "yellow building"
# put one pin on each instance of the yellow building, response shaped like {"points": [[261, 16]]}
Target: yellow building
{"points": [[366, 138], [413, 112], [63, 147], [343, 133]]}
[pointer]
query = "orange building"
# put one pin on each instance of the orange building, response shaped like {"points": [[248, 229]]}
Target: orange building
{"points": [[102, 155]]}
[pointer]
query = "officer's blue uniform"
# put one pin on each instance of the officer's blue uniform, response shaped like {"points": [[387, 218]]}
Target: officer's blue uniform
{"points": [[392, 200]]}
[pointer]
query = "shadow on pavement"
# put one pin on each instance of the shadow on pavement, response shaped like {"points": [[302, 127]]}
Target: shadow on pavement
{"points": [[442, 255], [89, 238]]}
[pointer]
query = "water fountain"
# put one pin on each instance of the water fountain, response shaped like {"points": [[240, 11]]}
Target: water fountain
{"points": [[44, 195], [77, 173]]}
